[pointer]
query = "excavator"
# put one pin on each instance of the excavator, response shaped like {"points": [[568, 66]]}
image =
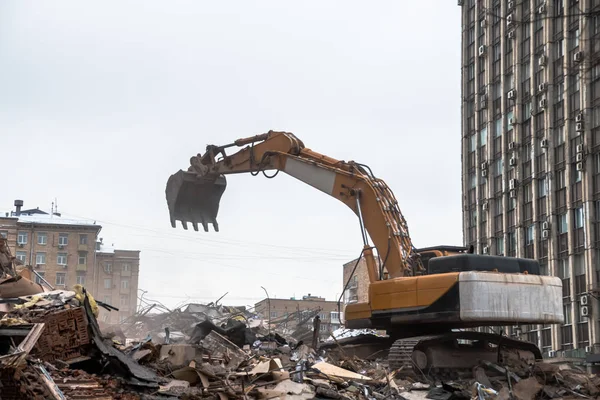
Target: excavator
{"points": [[428, 301]]}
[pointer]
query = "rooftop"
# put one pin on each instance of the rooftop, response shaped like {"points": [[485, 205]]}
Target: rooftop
{"points": [[50, 219], [104, 248]]}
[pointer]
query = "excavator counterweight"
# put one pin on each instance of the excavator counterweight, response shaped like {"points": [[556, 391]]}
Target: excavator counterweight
{"points": [[194, 199]]}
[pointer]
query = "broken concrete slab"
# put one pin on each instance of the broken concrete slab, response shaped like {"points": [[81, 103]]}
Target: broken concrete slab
{"points": [[219, 346], [179, 354], [527, 389]]}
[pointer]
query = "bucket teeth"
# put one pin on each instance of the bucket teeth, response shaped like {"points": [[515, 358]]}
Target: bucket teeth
{"points": [[194, 199]]}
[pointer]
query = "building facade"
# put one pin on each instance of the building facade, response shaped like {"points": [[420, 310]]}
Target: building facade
{"points": [[59, 250], [357, 290], [282, 310], [116, 281], [531, 149], [65, 252]]}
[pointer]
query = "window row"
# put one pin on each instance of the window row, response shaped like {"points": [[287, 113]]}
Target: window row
{"points": [[60, 278], [61, 258], [42, 238]]}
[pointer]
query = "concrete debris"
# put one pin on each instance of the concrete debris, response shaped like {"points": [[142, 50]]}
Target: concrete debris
{"points": [[52, 347]]}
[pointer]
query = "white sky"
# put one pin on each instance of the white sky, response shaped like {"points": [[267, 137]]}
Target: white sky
{"points": [[101, 102]]}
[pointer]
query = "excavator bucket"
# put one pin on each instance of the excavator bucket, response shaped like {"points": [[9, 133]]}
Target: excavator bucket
{"points": [[193, 199]]}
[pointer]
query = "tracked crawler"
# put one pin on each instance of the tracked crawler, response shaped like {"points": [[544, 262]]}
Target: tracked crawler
{"points": [[412, 294]]}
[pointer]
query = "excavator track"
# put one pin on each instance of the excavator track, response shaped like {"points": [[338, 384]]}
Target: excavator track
{"points": [[444, 356], [400, 357]]}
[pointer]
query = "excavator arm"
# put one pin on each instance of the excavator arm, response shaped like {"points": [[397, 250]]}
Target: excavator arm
{"points": [[193, 196]]}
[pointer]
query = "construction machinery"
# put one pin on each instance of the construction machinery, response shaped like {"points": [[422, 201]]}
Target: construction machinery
{"points": [[427, 300]]}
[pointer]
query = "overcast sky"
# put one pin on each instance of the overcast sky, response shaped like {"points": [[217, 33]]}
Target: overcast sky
{"points": [[101, 102]]}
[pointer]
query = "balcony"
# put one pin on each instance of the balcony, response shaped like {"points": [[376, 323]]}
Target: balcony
{"points": [[81, 267], [126, 273], [82, 247]]}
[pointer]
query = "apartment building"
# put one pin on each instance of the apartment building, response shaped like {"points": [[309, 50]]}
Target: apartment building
{"points": [[116, 281], [357, 279], [65, 252], [60, 250], [282, 310], [531, 150]]}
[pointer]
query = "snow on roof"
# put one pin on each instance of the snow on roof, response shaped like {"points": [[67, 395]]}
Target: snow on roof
{"points": [[103, 248], [54, 219]]}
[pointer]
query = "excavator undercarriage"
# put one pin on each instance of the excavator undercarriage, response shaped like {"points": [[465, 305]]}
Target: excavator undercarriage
{"points": [[425, 300], [453, 355]]}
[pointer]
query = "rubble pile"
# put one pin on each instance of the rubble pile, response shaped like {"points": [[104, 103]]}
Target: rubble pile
{"points": [[51, 347]]}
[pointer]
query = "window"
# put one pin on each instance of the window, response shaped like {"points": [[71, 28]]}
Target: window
{"points": [[564, 271], [61, 259], [22, 238], [108, 267], [560, 179], [82, 258], [559, 135], [512, 241], [40, 258], [107, 299], [38, 279], [542, 189], [577, 175], [22, 256], [563, 225], [83, 239], [4, 234], [567, 313], [125, 284], [500, 246], [60, 278], [42, 238], [473, 217], [126, 267], [124, 300], [483, 136], [80, 279], [472, 142], [498, 127], [529, 236], [498, 166], [63, 239], [578, 216], [273, 314], [107, 283]]}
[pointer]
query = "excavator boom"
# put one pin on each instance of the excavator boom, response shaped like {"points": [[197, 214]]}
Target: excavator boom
{"points": [[193, 196]]}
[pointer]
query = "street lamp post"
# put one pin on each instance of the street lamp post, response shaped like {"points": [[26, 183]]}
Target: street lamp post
{"points": [[269, 305]]}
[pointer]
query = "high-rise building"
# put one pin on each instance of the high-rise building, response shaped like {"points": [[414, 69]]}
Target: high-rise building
{"points": [[531, 149]]}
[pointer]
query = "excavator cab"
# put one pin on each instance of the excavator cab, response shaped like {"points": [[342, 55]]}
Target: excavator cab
{"points": [[194, 199]]}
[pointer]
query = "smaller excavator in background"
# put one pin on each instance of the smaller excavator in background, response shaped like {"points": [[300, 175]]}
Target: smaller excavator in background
{"points": [[425, 300]]}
